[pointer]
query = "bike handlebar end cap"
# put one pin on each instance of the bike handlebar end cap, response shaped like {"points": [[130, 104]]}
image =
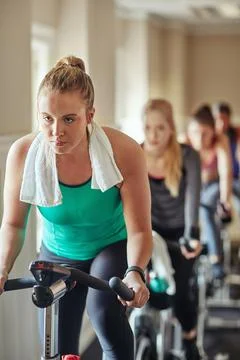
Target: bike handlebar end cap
{"points": [[114, 282], [42, 296]]}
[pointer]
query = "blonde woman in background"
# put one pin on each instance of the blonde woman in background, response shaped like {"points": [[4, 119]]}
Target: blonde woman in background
{"points": [[174, 175]]}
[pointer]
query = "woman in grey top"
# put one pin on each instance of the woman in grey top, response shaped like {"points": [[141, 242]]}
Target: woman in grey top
{"points": [[175, 181]]}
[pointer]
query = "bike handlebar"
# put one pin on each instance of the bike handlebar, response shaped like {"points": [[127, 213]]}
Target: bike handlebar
{"points": [[224, 215], [41, 268], [19, 284]]}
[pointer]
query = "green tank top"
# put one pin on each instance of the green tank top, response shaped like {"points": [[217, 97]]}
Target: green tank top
{"points": [[87, 221]]}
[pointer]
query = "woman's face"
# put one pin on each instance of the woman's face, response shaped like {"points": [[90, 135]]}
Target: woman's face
{"points": [[222, 122], [63, 120], [201, 136], [157, 132]]}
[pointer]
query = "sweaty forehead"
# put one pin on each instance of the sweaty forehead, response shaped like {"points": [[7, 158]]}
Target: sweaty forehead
{"points": [[61, 103], [155, 117]]}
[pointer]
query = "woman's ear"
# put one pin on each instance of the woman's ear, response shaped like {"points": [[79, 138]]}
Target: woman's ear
{"points": [[90, 115]]}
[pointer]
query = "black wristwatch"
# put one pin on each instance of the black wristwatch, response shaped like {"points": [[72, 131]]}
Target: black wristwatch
{"points": [[138, 270]]}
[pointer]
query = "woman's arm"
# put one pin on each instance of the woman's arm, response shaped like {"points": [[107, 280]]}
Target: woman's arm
{"points": [[192, 168], [224, 170], [15, 213], [135, 193], [238, 145]]}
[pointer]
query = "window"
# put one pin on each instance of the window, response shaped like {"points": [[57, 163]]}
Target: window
{"points": [[42, 51]]}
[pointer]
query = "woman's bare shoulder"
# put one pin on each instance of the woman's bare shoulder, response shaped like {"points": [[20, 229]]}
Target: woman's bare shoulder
{"points": [[119, 140], [183, 138], [127, 152], [20, 147]]}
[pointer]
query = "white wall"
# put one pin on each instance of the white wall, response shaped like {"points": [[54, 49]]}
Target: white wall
{"points": [[101, 52], [15, 84], [214, 72], [72, 30], [132, 64], [156, 59], [45, 12]]}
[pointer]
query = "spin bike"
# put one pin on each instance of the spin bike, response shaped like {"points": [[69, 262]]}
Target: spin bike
{"points": [[47, 292], [214, 300], [218, 302], [157, 332]]}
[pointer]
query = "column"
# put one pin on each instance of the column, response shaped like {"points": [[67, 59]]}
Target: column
{"points": [[175, 70]]}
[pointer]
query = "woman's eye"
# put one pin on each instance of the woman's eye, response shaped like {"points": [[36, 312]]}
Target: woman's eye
{"points": [[68, 120], [47, 119]]}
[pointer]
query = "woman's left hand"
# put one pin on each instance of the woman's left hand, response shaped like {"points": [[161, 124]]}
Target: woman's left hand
{"points": [[134, 281], [196, 249]]}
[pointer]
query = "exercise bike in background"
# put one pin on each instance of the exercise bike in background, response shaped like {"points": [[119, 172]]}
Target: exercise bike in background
{"points": [[217, 309], [157, 332], [219, 302]]}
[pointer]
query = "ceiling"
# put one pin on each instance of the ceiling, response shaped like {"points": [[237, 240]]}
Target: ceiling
{"points": [[190, 11]]}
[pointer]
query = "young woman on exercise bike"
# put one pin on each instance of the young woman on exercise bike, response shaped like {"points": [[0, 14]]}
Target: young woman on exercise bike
{"points": [[91, 187], [216, 172], [174, 175]]}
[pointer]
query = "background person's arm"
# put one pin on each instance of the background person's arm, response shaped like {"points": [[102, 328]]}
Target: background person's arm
{"points": [[15, 212], [238, 145], [192, 168], [224, 170], [183, 139]]}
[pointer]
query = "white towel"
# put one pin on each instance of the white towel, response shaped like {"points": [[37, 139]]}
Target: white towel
{"points": [[161, 262], [40, 184]]}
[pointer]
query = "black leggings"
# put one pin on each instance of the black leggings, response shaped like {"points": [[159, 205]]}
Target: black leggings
{"points": [[185, 306], [106, 313], [184, 303]]}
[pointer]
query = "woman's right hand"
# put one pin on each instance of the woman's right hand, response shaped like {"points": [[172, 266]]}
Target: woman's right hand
{"points": [[224, 212], [3, 279]]}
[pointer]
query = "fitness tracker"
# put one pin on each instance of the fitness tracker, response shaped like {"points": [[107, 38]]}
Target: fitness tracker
{"points": [[138, 270]]}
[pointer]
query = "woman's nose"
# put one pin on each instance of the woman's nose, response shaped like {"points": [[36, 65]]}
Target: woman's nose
{"points": [[57, 130], [152, 135]]}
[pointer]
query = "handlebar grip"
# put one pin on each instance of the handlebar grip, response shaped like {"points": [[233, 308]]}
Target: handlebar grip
{"points": [[121, 289], [18, 284], [185, 242], [226, 219]]}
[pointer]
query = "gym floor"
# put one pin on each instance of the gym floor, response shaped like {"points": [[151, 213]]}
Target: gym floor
{"points": [[219, 345]]}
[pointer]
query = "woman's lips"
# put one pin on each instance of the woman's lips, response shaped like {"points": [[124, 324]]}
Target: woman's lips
{"points": [[153, 143], [59, 143]]}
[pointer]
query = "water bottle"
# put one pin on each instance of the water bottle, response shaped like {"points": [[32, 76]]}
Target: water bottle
{"points": [[157, 284]]}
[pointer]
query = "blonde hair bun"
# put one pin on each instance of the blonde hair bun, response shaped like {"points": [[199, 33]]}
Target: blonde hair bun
{"points": [[71, 61]]}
